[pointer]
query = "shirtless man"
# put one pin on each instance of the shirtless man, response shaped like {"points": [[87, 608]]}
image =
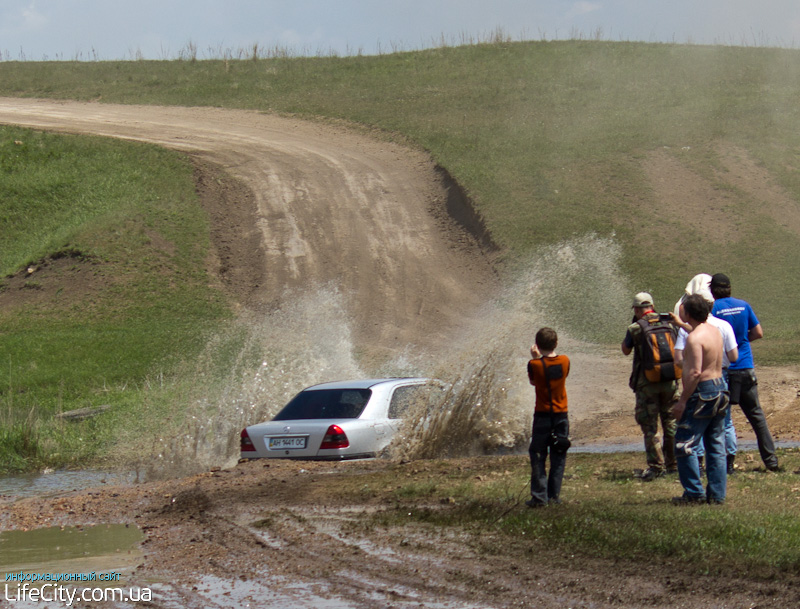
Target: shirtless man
{"points": [[700, 284], [700, 411]]}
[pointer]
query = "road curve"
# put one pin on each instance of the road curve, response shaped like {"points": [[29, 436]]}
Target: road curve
{"points": [[331, 207]]}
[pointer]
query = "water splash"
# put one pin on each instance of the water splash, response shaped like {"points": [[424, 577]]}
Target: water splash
{"points": [[575, 287], [246, 374], [249, 372]]}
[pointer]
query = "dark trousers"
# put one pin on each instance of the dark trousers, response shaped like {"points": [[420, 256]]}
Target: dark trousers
{"points": [[744, 391], [546, 487]]}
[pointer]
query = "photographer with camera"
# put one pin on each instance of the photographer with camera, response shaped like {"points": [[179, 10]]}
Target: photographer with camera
{"points": [[547, 372], [651, 338]]}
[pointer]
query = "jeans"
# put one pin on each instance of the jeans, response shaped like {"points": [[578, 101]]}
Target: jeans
{"points": [[546, 487], [744, 391], [731, 444], [692, 429]]}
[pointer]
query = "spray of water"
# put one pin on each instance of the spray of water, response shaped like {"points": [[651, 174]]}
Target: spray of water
{"points": [[575, 287], [246, 375]]}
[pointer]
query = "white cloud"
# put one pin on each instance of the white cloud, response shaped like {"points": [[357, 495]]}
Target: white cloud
{"points": [[584, 8], [33, 19]]}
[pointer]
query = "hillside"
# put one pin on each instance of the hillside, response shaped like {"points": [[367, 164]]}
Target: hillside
{"points": [[678, 158], [594, 170]]}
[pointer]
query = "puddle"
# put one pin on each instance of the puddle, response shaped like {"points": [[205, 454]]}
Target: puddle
{"points": [[270, 593], [273, 592], [53, 483], [100, 549]]}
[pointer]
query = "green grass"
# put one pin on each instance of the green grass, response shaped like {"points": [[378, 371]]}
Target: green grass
{"points": [[755, 534], [549, 139], [125, 217]]}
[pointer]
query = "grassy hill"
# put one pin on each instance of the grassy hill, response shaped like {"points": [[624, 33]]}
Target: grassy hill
{"points": [[117, 231], [685, 157]]}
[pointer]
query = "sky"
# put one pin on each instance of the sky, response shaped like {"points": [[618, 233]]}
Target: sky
{"points": [[165, 29]]}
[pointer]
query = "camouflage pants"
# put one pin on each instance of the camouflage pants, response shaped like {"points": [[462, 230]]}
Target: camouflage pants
{"points": [[655, 402]]}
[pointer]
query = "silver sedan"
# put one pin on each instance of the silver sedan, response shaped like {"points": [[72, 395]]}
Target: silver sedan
{"points": [[339, 420]]}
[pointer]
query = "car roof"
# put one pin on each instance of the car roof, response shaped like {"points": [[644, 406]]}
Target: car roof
{"points": [[364, 383]]}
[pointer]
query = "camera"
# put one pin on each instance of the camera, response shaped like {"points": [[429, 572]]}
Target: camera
{"points": [[664, 317]]}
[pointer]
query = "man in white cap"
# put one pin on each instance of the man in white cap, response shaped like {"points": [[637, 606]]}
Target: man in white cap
{"points": [[654, 399]]}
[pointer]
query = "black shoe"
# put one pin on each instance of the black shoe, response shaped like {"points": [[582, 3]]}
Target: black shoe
{"points": [[714, 501], [774, 468], [731, 466], [533, 503], [651, 474], [688, 500]]}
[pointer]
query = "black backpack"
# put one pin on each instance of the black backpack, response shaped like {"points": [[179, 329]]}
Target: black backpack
{"points": [[657, 350]]}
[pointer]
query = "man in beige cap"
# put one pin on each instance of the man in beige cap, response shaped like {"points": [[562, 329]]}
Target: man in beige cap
{"points": [[656, 389]]}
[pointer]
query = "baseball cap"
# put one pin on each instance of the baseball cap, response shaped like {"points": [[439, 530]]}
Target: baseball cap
{"points": [[720, 280], [642, 299]]}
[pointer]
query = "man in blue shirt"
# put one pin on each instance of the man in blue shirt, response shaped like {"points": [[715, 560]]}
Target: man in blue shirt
{"points": [[742, 380]]}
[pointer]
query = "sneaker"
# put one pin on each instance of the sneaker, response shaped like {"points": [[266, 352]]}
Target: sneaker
{"points": [[688, 500], [715, 501], [533, 503], [773, 467], [651, 474]]}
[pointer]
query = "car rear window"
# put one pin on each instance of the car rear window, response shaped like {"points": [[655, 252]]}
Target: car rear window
{"points": [[325, 404]]}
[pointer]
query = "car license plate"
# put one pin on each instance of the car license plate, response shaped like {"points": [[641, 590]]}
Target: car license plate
{"points": [[287, 442]]}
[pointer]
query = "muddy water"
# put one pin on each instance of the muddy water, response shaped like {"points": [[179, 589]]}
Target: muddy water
{"points": [[56, 482], [102, 548], [574, 287], [276, 592], [248, 374], [309, 339]]}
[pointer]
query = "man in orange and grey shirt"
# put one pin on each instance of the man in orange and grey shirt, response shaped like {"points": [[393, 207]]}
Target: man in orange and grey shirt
{"points": [[548, 372]]}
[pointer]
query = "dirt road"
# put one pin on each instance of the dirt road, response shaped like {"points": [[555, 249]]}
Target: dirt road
{"points": [[319, 205], [322, 206]]}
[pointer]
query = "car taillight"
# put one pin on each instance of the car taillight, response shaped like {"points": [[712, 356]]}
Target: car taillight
{"points": [[335, 438], [246, 443]]}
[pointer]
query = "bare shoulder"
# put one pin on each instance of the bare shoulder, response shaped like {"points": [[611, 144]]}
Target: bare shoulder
{"points": [[706, 335]]}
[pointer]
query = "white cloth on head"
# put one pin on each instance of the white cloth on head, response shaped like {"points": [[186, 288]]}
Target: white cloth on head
{"points": [[699, 284]]}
